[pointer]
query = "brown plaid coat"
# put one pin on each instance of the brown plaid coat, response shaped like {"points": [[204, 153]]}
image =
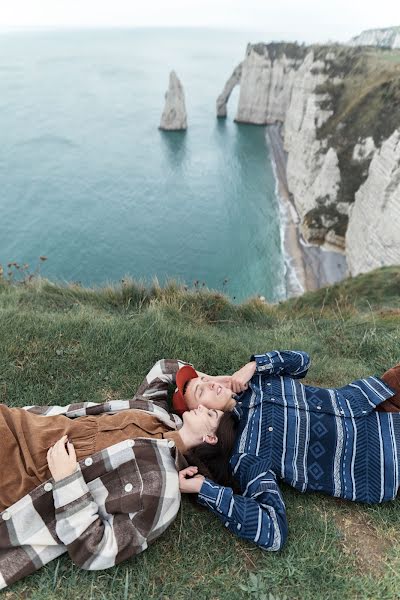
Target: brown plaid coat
{"points": [[116, 502]]}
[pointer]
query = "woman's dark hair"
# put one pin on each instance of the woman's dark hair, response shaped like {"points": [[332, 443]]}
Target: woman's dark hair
{"points": [[212, 460]]}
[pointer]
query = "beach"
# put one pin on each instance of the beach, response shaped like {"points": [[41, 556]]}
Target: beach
{"points": [[307, 267]]}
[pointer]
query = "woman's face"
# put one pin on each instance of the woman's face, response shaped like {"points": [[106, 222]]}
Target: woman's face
{"points": [[211, 394], [202, 421]]}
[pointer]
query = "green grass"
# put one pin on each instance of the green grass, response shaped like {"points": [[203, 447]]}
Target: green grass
{"points": [[65, 344]]}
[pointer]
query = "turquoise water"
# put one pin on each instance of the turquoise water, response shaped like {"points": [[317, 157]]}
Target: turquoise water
{"points": [[88, 180]]}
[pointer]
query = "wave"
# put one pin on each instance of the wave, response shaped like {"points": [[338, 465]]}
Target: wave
{"points": [[293, 284]]}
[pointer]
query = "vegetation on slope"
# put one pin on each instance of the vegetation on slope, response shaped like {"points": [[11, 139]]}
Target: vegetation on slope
{"points": [[365, 104], [363, 92], [65, 344]]}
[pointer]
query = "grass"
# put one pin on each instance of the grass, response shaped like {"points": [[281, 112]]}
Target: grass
{"points": [[65, 344]]}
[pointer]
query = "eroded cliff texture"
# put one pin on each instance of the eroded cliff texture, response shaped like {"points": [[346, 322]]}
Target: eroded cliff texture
{"points": [[283, 83], [373, 234], [337, 105]]}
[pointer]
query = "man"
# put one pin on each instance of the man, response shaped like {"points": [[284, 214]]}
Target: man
{"points": [[338, 441]]}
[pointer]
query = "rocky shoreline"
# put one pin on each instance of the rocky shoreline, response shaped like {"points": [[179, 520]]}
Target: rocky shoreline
{"points": [[339, 183], [307, 267]]}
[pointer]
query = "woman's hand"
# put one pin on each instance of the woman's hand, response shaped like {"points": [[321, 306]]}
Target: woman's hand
{"points": [[241, 378], [61, 459], [189, 482]]}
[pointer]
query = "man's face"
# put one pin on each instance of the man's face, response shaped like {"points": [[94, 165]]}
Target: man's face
{"points": [[205, 391]]}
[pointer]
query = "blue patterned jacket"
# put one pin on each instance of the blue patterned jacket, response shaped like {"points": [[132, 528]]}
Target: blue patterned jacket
{"points": [[328, 440]]}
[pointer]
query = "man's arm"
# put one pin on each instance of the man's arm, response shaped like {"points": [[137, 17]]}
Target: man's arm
{"points": [[294, 363], [259, 514]]}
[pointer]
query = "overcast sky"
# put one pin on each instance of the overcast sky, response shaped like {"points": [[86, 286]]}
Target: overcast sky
{"points": [[303, 20]]}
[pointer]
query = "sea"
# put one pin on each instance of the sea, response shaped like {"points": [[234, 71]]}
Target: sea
{"points": [[89, 181]]}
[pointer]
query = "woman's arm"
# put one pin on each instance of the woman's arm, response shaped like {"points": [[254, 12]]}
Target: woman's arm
{"points": [[99, 537], [154, 388]]}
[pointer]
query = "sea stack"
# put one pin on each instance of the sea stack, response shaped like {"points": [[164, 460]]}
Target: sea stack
{"points": [[174, 117]]}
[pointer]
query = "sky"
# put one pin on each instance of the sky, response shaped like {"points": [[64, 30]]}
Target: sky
{"points": [[301, 20]]}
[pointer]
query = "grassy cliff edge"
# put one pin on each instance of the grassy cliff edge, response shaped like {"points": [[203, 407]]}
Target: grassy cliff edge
{"points": [[60, 344]]}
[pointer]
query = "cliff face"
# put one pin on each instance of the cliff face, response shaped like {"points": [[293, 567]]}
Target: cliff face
{"points": [[385, 38], [373, 234], [266, 85], [337, 105], [281, 87], [223, 98]]}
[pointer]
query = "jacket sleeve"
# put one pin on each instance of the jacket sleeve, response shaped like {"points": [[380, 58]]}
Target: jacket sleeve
{"points": [[94, 540], [154, 388], [283, 362], [78, 409], [259, 514]]}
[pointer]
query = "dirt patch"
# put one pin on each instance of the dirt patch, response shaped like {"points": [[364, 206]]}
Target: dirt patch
{"points": [[108, 394], [361, 540]]}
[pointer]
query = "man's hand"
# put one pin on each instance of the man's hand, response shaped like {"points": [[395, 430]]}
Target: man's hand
{"points": [[61, 459], [189, 482], [240, 379]]}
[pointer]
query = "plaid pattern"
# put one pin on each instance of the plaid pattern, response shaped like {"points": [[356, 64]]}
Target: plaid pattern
{"points": [[114, 504]]}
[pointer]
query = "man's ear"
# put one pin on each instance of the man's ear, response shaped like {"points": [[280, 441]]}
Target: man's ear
{"points": [[210, 439]]}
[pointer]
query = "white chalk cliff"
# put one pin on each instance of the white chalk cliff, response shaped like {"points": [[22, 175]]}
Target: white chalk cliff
{"points": [[284, 89], [388, 37], [174, 116], [223, 98], [373, 233], [295, 86]]}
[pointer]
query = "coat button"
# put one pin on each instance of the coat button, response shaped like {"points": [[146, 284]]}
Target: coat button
{"points": [[273, 399], [268, 384], [88, 461], [48, 486], [6, 516], [128, 487], [270, 428], [318, 407], [171, 444], [131, 443]]}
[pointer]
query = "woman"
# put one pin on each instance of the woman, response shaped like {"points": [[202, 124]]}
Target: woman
{"points": [[99, 481]]}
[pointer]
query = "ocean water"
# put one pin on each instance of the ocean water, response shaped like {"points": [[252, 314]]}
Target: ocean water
{"points": [[88, 180]]}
